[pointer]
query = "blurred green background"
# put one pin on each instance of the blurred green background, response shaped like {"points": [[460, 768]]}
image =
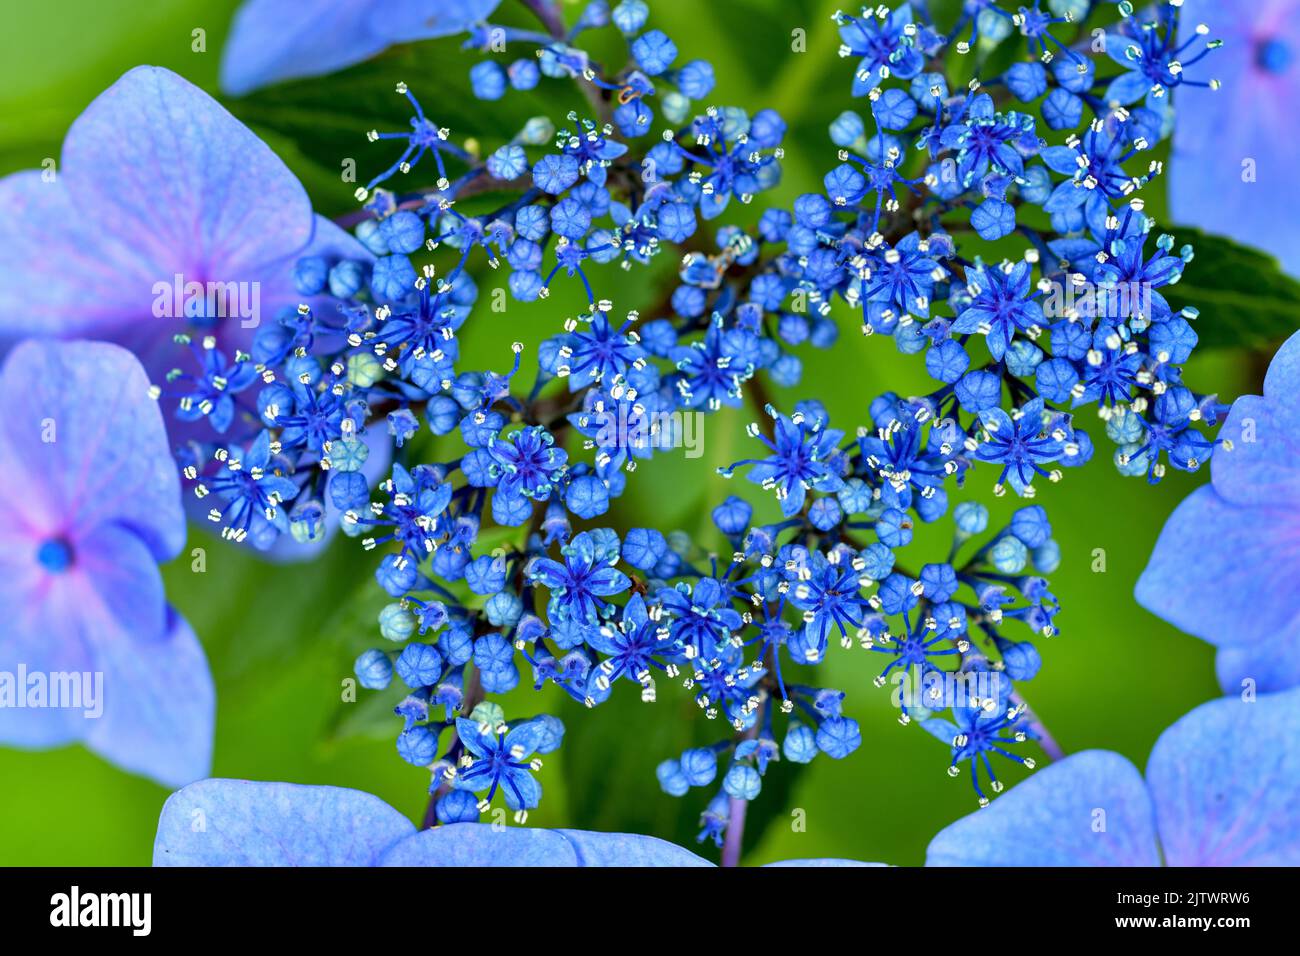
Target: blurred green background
{"points": [[282, 638]]}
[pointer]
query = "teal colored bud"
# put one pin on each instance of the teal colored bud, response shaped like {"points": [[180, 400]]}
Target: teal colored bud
{"points": [[537, 131], [396, 623], [993, 28], [364, 369], [1129, 462], [676, 108], [1078, 9], [1009, 555], [490, 713], [348, 454], [971, 517], [307, 521]]}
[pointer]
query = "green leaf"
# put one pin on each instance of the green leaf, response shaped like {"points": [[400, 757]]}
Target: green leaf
{"points": [[371, 717], [610, 755], [1244, 297]]}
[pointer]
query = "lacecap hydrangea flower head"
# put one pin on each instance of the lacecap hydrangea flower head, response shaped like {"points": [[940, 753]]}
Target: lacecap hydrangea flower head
{"points": [[1017, 347], [995, 232]]}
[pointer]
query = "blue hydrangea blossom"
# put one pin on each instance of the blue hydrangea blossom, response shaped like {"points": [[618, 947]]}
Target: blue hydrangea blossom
{"points": [[91, 502]]}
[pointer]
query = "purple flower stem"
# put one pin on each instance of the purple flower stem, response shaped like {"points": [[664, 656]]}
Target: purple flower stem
{"points": [[735, 831], [548, 14], [736, 807]]}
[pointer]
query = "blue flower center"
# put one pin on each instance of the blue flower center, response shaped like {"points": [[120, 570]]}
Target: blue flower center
{"points": [[54, 554], [1273, 56]]}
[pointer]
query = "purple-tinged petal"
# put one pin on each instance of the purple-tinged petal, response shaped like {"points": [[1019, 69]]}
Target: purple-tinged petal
{"points": [[59, 275], [245, 823], [108, 460], [1224, 573], [121, 589], [161, 187], [156, 159], [627, 849], [822, 862], [37, 640], [1090, 809], [1282, 385], [1226, 783], [159, 706]]}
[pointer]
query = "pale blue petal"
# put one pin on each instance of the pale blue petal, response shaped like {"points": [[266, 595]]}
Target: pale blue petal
{"points": [[275, 40], [159, 706], [1090, 809], [1263, 467], [484, 844], [1270, 665], [244, 823], [402, 21], [1223, 573], [1226, 783]]}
